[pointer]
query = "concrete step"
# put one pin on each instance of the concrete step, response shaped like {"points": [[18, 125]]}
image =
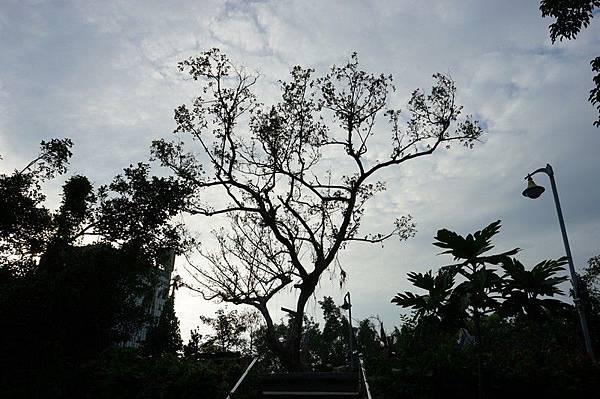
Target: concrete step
{"points": [[311, 385]]}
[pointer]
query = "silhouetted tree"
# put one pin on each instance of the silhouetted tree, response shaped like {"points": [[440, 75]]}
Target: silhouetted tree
{"points": [[591, 275], [483, 290], [165, 336], [194, 347], [589, 284], [66, 302], [438, 305], [136, 211], [321, 349], [368, 342], [228, 332], [480, 291], [571, 16], [76, 209], [333, 348], [528, 293], [26, 225], [290, 211]]}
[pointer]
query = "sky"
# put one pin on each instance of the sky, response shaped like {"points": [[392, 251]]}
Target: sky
{"points": [[105, 74]]}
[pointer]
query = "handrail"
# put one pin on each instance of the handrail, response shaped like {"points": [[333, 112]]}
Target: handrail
{"points": [[236, 386], [364, 375]]}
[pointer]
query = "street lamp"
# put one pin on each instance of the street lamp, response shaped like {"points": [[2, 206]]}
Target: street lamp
{"points": [[533, 191], [347, 305]]}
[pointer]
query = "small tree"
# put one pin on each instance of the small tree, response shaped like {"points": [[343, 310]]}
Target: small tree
{"points": [[291, 213], [480, 290], [438, 304], [528, 293], [589, 284], [229, 331], [194, 346], [483, 290], [333, 350], [26, 225], [165, 336]]}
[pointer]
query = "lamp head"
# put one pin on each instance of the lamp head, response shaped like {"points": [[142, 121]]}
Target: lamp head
{"points": [[532, 191], [346, 305]]}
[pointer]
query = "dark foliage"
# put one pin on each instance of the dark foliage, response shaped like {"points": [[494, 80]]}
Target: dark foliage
{"points": [[589, 284], [135, 211], [127, 374], [332, 350], [595, 92], [64, 302], [82, 301], [521, 359], [504, 333], [164, 337], [527, 292], [229, 329], [76, 209], [193, 348], [25, 224], [571, 16]]}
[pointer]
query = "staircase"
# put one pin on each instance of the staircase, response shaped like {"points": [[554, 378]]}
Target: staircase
{"points": [[311, 385]]}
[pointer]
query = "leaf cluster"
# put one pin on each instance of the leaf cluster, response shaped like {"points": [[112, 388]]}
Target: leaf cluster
{"points": [[571, 16], [481, 289]]}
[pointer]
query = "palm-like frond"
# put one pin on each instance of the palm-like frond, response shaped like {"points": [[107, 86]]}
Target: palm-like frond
{"points": [[517, 292], [523, 288], [541, 280], [478, 287], [422, 280], [438, 287], [469, 248]]}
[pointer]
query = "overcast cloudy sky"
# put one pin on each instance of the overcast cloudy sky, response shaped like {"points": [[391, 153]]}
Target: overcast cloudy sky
{"points": [[104, 74]]}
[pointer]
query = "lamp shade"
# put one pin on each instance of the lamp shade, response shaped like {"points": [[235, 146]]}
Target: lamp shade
{"points": [[533, 191]]}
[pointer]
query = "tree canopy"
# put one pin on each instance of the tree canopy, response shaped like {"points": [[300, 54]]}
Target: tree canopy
{"points": [[290, 212], [67, 299], [571, 16], [460, 295]]}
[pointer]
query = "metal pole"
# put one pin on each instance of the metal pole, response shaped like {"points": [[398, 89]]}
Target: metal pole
{"points": [[351, 332], [574, 280]]}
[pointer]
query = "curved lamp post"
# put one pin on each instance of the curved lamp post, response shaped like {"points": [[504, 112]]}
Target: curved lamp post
{"points": [[533, 191], [347, 305]]}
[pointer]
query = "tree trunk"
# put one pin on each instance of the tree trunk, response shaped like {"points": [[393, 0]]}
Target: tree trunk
{"points": [[289, 352], [286, 353]]}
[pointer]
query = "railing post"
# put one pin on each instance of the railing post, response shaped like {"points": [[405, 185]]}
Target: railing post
{"points": [[364, 375], [242, 378]]}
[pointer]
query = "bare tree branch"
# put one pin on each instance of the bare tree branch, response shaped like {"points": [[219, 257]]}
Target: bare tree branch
{"points": [[290, 214]]}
